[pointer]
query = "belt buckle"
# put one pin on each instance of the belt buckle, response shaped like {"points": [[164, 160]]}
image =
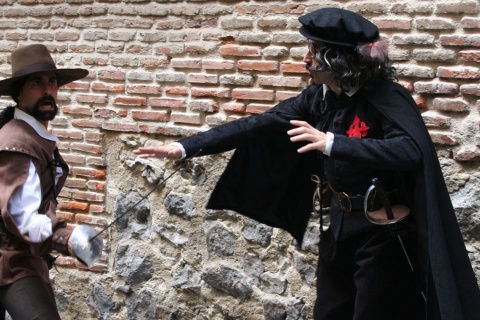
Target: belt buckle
{"points": [[344, 201]]}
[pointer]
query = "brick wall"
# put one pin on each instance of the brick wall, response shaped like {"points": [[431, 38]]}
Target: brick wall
{"points": [[164, 69]]}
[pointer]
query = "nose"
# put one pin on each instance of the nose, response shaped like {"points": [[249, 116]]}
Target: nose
{"points": [[307, 58]]}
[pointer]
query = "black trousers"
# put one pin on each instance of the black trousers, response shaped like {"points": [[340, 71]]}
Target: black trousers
{"points": [[29, 298], [367, 277]]}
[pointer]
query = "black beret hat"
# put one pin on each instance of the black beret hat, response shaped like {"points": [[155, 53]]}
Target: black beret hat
{"points": [[338, 26]]}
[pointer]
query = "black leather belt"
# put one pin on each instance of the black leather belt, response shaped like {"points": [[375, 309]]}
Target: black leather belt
{"points": [[348, 203]]}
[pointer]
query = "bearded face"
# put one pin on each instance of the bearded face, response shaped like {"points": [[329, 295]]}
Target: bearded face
{"points": [[38, 96], [45, 109]]}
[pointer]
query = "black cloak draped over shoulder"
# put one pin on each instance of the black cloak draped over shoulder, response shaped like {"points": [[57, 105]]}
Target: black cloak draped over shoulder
{"points": [[270, 182]]}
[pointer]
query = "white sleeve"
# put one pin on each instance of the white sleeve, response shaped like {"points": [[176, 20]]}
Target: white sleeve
{"points": [[329, 143], [179, 145], [24, 205]]}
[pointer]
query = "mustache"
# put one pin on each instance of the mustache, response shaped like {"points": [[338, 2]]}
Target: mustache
{"points": [[46, 99]]}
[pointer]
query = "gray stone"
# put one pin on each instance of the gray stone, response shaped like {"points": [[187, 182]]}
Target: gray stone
{"points": [[133, 264], [103, 302], [311, 238], [228, 280], [142, 306], [467, 207], [295, 309], [257, 232], [221, 215], [272, 283], [136, 215], [274, 310], [187, 278], [179, 204], [220, 240], [305, 270], [63, 300], [170, 234], [253, 266]]}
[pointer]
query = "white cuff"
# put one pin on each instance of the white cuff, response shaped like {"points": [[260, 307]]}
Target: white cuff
{"points": [[40, 228], [329, 143], [178, 144]]}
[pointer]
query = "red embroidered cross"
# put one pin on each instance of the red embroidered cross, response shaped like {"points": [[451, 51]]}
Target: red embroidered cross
{"points": [[358, 129]]}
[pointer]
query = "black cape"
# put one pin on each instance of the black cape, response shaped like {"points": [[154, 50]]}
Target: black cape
{"points": [[270, 182]]}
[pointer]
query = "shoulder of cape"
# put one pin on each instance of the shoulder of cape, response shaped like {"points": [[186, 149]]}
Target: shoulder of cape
{"points": [[13, 138]]}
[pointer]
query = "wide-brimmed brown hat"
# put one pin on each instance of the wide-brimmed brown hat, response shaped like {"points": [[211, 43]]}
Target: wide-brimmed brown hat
{"points": [[36, 58]]}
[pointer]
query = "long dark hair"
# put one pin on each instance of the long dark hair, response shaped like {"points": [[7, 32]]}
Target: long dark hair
{"points": [[6, 115], [360, 66]]}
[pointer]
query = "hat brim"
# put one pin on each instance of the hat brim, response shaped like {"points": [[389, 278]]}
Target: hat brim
{"points": [[311, 35], [64, 76]]}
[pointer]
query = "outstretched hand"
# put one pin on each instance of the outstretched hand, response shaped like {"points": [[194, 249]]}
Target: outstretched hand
{"points": [[305, 132], [167, 151]]}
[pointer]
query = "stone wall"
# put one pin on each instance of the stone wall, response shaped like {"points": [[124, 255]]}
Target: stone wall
{"points": [[160, 70]]}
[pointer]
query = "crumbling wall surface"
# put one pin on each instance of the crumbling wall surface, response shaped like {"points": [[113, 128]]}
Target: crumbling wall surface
{"points": [[165, 69]]}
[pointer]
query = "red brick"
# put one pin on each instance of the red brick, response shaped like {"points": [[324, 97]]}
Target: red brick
{"points": [[88, 196], [83, 123], [72, 205], [105, 113], [292, 82], [218, 64], [179, 91], [90, 98], [77, 86], [186, 63], [234, 107], [91, 220], [95, 61], [75, 110], [458, 72], [240, 51], [470, 55], [393, 23], [89, 173], [257, 108], [84, 147], [436, 87], [121, 127], [97, 209], [202, 78], [66, 262], [111, 75], [130, 101], [257, 65], [293, 67], [96, 161], [252, 94], [96, 185], [210, 92], [68, 134], [284, 95], [468, 156], [443, 138], [93, 136], [110, 87], [144, 89], [167, 103], [185, 118], [450, 105], [68, 216], [75, 183], [74, 158], [473, 89], [150, 115]]}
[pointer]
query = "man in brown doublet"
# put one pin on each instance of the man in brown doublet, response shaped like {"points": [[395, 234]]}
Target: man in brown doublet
{"points": [[32, 173]]}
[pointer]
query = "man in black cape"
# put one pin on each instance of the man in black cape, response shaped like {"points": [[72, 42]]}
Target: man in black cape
{"points": [[351, 125]]}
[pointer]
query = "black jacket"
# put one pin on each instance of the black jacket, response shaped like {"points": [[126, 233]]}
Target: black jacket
{"points": [[267, 180]]}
